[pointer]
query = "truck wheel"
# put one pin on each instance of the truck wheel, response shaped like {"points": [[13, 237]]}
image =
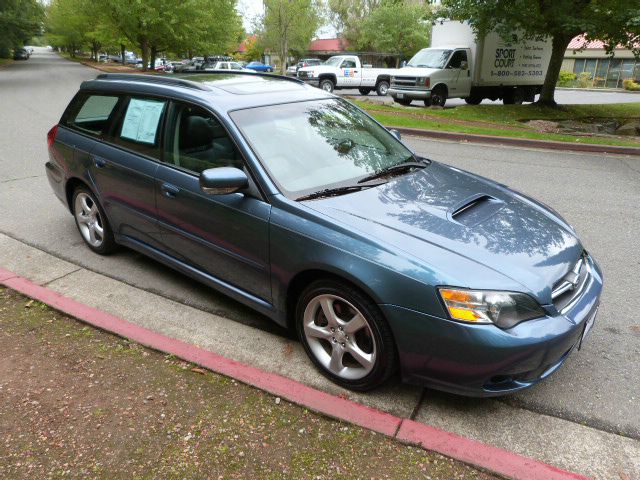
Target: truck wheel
{"points": [[427, 102], [327, 85], [382, 87], [364, 91], [513, 97], [473, 100], [403, 101], [438, 96]]}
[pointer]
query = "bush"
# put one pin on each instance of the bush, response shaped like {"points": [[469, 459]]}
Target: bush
{"points": [[631, 85], [566, 79], [585, 80]]}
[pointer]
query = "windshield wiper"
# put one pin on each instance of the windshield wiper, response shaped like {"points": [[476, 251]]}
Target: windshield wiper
{"points": [[334, 192], [398, 168]]}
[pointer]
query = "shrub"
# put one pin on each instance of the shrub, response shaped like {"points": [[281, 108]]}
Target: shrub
{"points": [[584, 80], [566, 79], [631, 85]]}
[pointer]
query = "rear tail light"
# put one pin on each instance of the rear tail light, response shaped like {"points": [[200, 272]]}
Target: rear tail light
{"points": [[51, 135]]}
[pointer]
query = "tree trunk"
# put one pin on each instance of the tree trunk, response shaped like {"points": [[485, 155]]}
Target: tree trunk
{"points": [[122, 50], [284, 56], [154, 54], [559, 46], [144, 47]]}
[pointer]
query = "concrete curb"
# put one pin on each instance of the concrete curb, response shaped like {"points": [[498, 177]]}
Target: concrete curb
{"points": [[518, 142], [408, 431]]}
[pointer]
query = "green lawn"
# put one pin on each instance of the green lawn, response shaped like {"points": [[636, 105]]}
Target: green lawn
{"points": [[505, 120], [5, 61]]}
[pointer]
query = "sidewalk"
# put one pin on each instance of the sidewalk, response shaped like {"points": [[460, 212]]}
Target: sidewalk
{"points": [[561, 443]]}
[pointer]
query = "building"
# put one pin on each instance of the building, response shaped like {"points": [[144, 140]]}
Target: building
{"points": [[604, 70]]}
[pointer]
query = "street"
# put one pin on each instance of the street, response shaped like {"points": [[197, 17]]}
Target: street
{"points": [[599, 386], [563, 96]]}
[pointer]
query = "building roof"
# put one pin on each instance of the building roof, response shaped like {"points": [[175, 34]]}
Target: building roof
{"points": [[580, 42], [328, 45], [243, 46]]}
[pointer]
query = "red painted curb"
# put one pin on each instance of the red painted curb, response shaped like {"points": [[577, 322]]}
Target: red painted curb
{"points": [[449, 444], [518, 142], [479, 454]]}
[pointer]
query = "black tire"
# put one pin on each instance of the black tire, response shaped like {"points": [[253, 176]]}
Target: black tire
{"points": [[382, 87], [403, 101], [438, 96], [327, 85], [473, 100], [364, 91], [107, 244], [427, 102], [376, 336]]}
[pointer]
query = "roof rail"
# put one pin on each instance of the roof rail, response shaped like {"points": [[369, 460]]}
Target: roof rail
{"points": [[163, 80], [240, 72]]}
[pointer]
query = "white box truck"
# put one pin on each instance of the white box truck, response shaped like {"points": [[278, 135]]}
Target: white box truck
{"points": [[347, 71], [458, 65]]}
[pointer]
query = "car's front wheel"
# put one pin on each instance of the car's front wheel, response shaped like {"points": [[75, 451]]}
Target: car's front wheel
{"points": [[345, 335], [327, 85], [92, 222]]}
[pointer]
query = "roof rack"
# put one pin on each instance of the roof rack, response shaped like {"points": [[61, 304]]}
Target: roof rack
{"points": [[239, 72], [163, 80]]}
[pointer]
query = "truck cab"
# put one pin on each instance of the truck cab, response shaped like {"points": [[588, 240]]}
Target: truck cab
{"points": [[347, 71]]}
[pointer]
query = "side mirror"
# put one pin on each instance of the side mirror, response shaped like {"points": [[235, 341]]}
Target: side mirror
{"points": [[464, 65], [395, 133], [223, 180], [403, 64]]}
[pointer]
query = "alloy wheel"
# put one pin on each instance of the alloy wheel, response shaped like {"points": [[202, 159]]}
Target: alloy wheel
{"points": [[89, 220]]}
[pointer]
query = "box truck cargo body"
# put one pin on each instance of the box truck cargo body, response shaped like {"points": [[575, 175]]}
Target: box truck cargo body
{"points": [[459, 65]]}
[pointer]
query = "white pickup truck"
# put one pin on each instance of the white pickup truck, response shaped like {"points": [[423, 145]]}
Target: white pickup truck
{"points": [[460, 65], [346, 71]]}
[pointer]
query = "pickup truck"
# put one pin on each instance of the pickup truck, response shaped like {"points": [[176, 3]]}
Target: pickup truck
{"points": [[346, 71], [460, 65]]}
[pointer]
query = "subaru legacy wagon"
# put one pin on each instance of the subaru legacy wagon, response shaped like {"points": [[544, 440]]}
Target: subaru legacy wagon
{"points": [[298, 204]]}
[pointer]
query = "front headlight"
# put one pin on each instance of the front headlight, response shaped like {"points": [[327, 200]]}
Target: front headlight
{"points": [[504, 309]]}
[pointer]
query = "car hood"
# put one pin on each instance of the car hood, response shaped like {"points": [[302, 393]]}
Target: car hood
{"points": [[468, 216]]}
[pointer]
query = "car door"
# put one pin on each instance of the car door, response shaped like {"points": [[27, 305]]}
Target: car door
{"points": [[120, 162], [349, 73], [224, 236], [459, 78]]}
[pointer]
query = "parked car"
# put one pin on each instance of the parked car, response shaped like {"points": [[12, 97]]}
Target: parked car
{"points": [[292, 70], [226, 66], [328, 224], [103, 58], [259, 67], [347, 71], [21, 54]]}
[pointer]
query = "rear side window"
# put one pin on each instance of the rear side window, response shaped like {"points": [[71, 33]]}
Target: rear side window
{"points": [[140, 125], [92, 112]]}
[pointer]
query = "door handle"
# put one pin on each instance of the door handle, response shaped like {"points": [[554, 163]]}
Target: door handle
{"points": [[99, 162], [169, 191]]}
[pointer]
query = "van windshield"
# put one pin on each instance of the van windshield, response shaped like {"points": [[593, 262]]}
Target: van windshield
{"points": [[430, 58]]}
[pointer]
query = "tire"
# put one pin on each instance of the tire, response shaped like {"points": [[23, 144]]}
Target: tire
{"points": [[427, 102], [327, 85], [438, 96], [359, 359], [473, 100], [382, 87], [403, 101], [92, 222], [364, 91]]}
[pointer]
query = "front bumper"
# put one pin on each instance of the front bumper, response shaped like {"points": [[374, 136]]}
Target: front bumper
{"points": [[483, 360], [412, 94], [314, 82]]}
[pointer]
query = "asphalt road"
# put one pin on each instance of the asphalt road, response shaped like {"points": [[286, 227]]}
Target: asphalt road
{"points": [[598, 386], [562, 96]]}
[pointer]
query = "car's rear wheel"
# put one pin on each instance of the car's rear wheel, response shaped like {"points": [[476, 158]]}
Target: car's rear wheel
{"points": [[345, 335], [92, 222], [327, 85]]}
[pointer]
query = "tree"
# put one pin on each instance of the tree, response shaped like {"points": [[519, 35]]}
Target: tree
{"points": [[399, 27], [289, 25], [348, 17], [612, 21], [19, 21]]}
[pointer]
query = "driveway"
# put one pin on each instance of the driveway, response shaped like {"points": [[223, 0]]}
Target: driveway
{"points": [[598, 387]]}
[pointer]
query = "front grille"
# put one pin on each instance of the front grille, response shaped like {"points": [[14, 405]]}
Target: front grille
{"points": [[408, 83], [569, 287], [302, 74]]}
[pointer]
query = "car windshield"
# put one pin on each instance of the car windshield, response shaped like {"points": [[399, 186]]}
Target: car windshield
{"points": [[333, 61], [311, 146], [430, 58]]}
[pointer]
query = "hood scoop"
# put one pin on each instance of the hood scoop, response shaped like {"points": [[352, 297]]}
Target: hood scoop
{"points": [[475, 209]]}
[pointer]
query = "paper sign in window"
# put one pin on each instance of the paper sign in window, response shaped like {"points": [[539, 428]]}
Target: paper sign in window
{"points": [[141, 120]]}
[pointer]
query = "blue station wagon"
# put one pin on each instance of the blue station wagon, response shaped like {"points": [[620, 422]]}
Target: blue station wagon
{"points": [[298, 204]]}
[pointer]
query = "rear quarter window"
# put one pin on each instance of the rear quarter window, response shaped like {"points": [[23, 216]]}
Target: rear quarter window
{"points": [[91, 113]]}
